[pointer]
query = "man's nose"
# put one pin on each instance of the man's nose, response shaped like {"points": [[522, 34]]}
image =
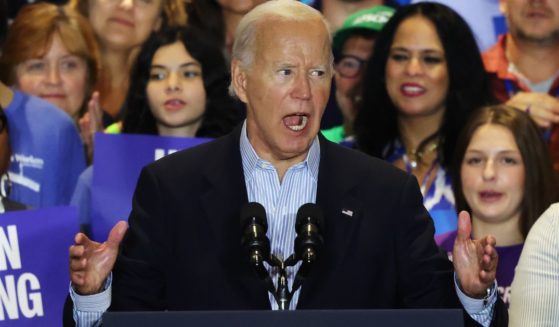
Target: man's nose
{"points": [[302, 88]]}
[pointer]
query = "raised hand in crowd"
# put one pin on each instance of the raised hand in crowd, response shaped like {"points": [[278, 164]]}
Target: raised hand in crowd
{"points": [[475, 261], [542, 107], [90, 123], [91, 262]]}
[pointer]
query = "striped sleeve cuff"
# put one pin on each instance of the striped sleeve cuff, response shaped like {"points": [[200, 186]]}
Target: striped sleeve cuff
{"points": [[88, 309], [481, 310]]}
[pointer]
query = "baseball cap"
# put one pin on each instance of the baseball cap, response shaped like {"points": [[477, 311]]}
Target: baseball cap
{"points": [[372, 19]]}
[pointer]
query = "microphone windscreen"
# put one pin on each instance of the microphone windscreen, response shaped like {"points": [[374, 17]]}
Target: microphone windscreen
{"points": [[309, 212], [253, 210]]}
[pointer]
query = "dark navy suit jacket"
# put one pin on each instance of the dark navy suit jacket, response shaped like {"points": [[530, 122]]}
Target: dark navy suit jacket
{"points": [[182, 250]]}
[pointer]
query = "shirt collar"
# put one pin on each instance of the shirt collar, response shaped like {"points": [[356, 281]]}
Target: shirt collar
{"points": [[495, 59], [496, 62], [251, 160]]}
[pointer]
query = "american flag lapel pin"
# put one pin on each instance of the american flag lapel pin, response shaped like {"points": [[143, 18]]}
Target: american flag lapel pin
{"points": [[347, 212]]}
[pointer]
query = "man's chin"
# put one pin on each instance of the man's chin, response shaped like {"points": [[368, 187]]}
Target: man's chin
{"points": [[300, 148], [539, 37]]}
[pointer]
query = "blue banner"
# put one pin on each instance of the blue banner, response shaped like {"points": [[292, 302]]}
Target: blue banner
{"points": [[118, 161], [34, 276]]}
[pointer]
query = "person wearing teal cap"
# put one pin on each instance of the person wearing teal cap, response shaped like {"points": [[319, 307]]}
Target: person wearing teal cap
{"points": [[353, 45]]}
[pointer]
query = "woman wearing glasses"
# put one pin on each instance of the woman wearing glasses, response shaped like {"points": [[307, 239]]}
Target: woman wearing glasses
{"points": [[419, 87], [353, 45], [46, 151]]}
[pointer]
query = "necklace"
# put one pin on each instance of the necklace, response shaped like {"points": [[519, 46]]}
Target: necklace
{"points": [[413, 158], [412, 165]]}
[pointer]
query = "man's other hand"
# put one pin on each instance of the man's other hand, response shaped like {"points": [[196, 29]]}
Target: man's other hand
{"points": [[475, 261], [91, 262]]}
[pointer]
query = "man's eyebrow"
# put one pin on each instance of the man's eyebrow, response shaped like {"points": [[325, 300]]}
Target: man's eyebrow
{"points": [[284, 64], [321, 67]]}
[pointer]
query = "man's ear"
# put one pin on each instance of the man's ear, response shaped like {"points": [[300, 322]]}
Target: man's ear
{"points": [[239, 80], [503, 7]]}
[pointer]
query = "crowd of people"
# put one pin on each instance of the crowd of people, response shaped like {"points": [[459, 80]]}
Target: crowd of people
{"points": [[440, 146]]}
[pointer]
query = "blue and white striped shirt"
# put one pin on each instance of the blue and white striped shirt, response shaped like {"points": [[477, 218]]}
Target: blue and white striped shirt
{"points": [[280, 199]]}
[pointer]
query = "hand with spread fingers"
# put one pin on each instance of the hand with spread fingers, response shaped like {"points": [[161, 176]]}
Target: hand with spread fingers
{"points": [[475, 261], [91, 262], [543, 108]]}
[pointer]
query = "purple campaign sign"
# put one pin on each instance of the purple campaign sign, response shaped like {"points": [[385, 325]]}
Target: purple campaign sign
{"points": [[34, 275], [118, 161]]}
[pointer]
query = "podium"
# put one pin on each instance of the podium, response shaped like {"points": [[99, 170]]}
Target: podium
{"points": [[297, 318]]}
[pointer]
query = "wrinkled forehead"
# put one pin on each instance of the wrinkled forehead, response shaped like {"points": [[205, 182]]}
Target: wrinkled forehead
{"points": [[281, 25], [281, 34]]}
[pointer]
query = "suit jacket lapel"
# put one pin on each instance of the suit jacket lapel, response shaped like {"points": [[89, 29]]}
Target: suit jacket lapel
{"points": [[225, 192], [342, 215], [222, 198]]}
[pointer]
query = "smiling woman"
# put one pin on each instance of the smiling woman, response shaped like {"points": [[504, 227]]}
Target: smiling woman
{"points": [[50, 52], [424, 79]]}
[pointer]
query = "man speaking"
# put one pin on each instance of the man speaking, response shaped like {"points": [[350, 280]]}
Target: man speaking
{"points": [[182, 250]]}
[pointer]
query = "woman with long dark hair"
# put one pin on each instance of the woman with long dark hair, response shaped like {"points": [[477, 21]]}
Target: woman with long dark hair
{"points": [[179, 80], [179, 88], [422, 82]]}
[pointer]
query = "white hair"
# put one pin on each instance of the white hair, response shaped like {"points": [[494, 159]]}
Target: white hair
{"points": [[285, 10]]}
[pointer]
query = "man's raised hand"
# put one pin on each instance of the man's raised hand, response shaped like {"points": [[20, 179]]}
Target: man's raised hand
{"points": [[91, 262], [475, 261]]}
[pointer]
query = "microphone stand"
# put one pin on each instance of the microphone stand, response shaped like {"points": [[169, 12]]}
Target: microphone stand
{"points": [[283, 295], [307, 244]]}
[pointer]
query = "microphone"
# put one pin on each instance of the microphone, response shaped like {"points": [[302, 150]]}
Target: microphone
{"points": [[308, 242], [254, 240], [308, 225]]}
